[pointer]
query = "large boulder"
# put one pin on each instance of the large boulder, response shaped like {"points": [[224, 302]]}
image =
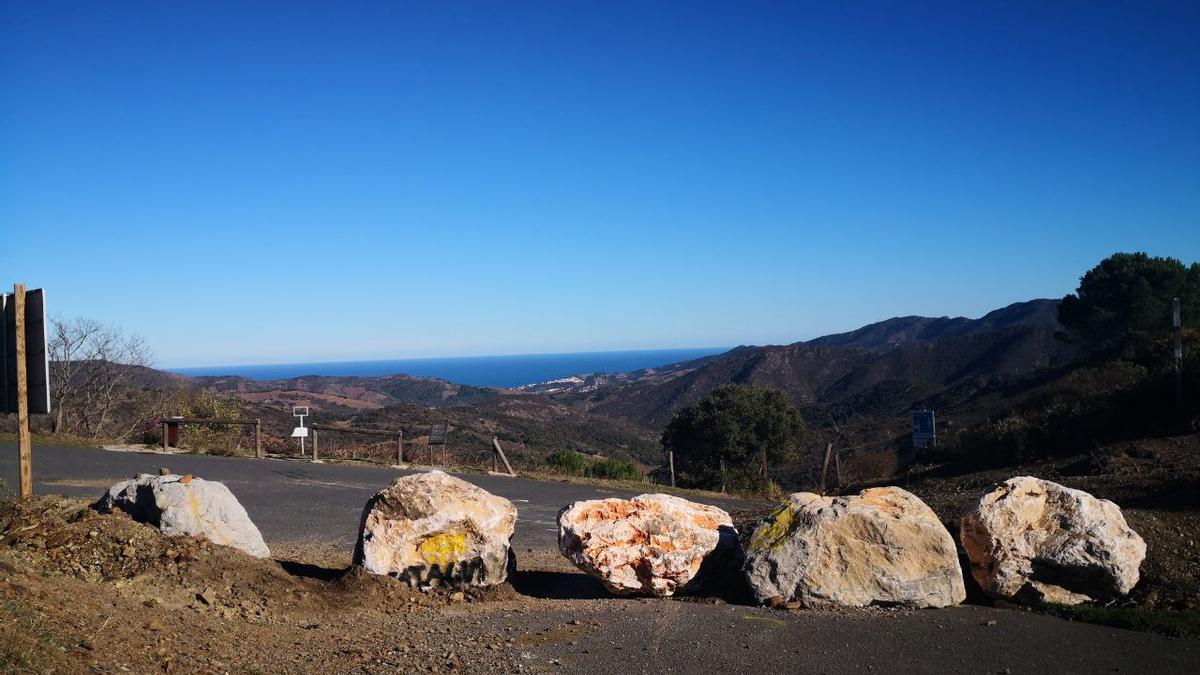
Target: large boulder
{"points": [[432, 528], [883, 545], [1034, 541], [653, 544], [183, 505]]}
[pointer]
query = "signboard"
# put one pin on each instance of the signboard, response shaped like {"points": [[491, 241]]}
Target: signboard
{"points": [[437, 434], [924, 429], [301, 432], [37, 356]]}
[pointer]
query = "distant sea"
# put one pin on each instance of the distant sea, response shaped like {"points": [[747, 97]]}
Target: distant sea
{"points": [[482, 371]]}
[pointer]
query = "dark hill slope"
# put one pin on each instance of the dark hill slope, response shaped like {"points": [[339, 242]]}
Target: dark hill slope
{"points": [[965, 361], [905, 330]]}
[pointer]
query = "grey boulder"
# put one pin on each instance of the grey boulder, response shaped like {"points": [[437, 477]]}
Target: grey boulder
{"points": [[187, 506]]}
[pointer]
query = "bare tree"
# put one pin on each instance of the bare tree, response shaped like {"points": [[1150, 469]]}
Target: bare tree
{"points": [[92, 365]]}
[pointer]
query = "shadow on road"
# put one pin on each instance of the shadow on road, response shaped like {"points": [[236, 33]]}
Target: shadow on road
{"points": [[557, 585], [299, 569]]}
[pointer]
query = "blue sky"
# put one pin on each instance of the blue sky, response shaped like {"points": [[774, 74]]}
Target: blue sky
{"points": [[249, 182]]}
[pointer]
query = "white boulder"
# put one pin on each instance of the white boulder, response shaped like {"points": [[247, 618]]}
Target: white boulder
{"points": [[883, 545], [187, 506], [1034, 541], [432, 528], [653, 544]]}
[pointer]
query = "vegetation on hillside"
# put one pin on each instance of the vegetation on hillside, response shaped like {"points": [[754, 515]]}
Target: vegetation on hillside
{"points": [[1123, 389], [731, 437], [571, 463]]}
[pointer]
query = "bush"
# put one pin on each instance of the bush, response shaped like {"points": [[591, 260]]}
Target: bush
{"points": [[568, 462], [616, 469], [574, 464], [730, 436]]}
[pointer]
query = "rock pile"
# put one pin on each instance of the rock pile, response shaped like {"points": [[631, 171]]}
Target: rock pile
{"points": [[653, 544], [883, 545], [187, 506], [432, 528], [1033, 541]]}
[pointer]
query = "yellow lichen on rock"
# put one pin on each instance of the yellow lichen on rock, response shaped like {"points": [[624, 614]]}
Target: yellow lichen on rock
{"points": [[434, 528], [883, 545], [444, 548], [775, 529]]}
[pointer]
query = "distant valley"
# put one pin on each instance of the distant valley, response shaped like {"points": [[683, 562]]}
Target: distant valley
{"points": [[859, 384]]}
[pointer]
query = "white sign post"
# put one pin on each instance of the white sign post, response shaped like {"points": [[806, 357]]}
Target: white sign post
{"points": [[301, 431]]}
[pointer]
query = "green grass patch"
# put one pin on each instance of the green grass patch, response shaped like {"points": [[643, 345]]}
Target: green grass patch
{"points": [[1180, 624]]}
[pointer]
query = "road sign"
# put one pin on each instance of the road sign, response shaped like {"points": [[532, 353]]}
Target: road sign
{"points": [[300, 432], [37, 358], [437, 434], [924, 429]]}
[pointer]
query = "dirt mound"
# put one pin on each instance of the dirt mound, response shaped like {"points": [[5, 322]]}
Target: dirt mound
{"points": [[85, 591]]}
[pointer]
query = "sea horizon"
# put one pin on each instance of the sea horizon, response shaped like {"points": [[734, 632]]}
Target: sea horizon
{"points": [[507, 370]]}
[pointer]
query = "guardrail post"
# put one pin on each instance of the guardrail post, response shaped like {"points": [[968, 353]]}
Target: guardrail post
{"points": [[316, 444], [258, 439]]}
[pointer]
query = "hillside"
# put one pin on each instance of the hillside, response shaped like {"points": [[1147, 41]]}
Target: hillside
{"points": [[907, 330], [348, 394], [884, 369]]}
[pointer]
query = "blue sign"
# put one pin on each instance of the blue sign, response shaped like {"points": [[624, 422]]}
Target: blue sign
{"points": [[924, 429]]}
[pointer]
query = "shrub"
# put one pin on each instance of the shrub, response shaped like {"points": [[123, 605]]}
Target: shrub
{"points": [[616, 469], [568, 462]]}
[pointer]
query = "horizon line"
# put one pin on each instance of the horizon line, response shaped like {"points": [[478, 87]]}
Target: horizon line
{"points": [[717, 349]]}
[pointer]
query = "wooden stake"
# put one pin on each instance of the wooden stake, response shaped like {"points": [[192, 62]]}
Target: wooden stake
{"points": [[400, 448], [258, 439], [316, 445], [671, 460], [825, 466], [23, 441], [500, 452]]}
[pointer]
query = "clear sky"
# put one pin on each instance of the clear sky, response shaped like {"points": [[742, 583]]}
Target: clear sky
{"points": [[245, 182]]}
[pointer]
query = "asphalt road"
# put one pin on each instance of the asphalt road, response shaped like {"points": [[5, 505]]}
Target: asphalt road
{"points": [[579, 628], [294, 501]]}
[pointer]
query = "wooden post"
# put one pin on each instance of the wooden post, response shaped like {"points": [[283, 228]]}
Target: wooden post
{"points": [[1177, 324], [316, 445], [671, 461], [825, 466], [499, 451], [258, 438], [23, 441], [164, 432], [400, 448]]}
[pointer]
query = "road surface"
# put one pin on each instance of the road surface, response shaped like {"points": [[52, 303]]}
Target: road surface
{"points": [[291, 500]]}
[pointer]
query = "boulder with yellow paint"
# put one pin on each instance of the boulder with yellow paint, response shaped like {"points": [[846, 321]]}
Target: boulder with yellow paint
{"points": [[1032, 540], [653, 544], [187, 506], [432, 528], [881, 546]]}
